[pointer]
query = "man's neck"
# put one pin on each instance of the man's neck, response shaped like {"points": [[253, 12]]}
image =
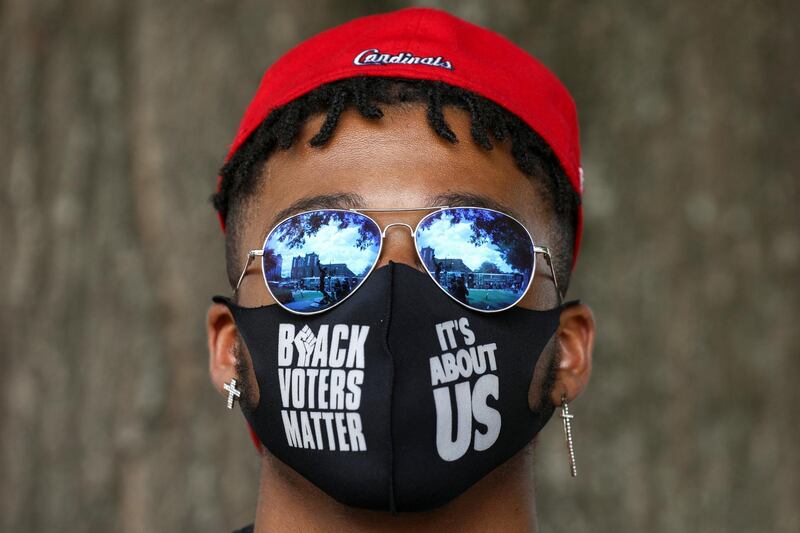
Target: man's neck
{"points": [[502, 501]]}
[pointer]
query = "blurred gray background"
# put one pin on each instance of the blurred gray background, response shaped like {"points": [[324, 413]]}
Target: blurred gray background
{"points": [[115, 116]]}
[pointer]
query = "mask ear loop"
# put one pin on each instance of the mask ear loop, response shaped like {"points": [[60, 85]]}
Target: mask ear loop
{"points": [[544, 250]]}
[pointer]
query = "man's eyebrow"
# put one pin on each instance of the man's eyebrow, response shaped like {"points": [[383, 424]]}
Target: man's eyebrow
{"points": [[339, 200], [466, 199], [347, 200]]}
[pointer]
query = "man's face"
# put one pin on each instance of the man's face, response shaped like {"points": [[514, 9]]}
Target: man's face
{"points": [[397, 161]]}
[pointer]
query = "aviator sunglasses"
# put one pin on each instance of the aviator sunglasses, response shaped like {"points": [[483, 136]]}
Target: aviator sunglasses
{"points": [[481, 258]]}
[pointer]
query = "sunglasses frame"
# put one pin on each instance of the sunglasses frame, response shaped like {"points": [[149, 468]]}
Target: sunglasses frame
{"points": [[252, 254]]}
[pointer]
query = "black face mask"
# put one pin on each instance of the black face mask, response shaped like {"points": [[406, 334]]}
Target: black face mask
{"points": [[398, 399]]}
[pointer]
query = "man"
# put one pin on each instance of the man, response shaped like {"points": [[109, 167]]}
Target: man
{"points": [[323, 272], [461, 292], [399, 407]]}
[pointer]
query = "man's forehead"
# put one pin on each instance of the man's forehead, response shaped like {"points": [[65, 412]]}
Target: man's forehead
{"points": [[402, 140], [396, 161]]}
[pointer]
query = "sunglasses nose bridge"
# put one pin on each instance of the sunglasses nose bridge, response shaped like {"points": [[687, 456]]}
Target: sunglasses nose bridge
{"points": [[386, 228], [398, 249]]}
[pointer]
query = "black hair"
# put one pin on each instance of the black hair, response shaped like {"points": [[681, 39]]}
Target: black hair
{"points": [[532, 155]]}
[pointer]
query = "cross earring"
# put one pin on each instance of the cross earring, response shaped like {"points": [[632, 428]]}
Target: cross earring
{"points": [[233, 392], [568, 434]]}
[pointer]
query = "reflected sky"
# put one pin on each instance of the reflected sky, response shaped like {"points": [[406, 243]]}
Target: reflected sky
{"points": [[332, 244], [452, 241]]}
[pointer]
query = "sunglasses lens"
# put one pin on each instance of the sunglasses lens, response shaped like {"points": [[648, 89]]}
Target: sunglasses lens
{"points": [[314, 260], [481, 257]]}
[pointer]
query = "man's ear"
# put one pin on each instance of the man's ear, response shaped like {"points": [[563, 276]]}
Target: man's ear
{"points": [[222, 339], [575, 337]]}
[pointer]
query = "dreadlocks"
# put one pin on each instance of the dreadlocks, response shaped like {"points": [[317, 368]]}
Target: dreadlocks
{"points": [[531, 153]]}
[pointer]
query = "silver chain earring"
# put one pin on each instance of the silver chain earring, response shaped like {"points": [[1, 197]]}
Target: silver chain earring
{"points": [[568, 434]]}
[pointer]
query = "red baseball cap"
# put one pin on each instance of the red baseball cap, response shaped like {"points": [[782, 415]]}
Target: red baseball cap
{"points": [[424, 43]]}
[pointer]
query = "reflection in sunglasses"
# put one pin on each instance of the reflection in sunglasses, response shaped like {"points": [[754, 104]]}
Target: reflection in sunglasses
{"points": [[314, 260], [480, 257]]}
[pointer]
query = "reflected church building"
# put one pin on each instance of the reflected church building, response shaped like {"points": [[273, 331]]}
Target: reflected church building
{"points": [[306, 267]]}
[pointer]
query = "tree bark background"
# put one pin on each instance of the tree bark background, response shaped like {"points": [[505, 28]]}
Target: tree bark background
{"points": [[115, 116]]}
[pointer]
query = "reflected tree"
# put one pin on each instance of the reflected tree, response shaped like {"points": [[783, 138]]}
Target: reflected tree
{"points": [[499, 231], [294, 231], [488, 267]]}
